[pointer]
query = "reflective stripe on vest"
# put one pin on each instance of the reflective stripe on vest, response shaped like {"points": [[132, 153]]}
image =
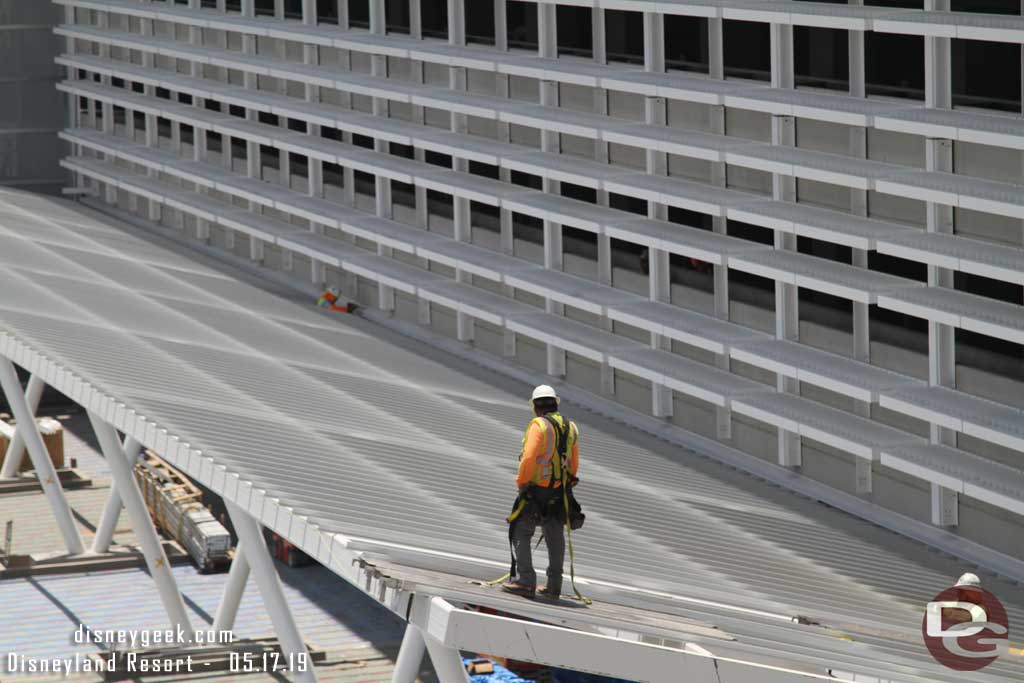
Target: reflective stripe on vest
{"points": [[542, 475]]}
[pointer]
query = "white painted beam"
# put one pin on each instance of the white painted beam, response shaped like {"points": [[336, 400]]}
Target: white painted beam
{"points": [[250, 538], [48, 479], [112, 510], [142, 524], [533, 641], [410, 656], [234, 589], [16, 448]]}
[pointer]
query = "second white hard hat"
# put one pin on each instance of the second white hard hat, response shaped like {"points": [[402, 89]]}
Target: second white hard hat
{"points": [[968, 579], [543, 391]]}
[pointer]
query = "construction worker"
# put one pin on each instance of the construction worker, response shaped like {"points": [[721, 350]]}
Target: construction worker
{"points": [[329, 300], [968, 589], [540, 480]]}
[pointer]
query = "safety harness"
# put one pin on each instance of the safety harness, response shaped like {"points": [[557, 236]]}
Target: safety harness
{"points": [[570, 508]]}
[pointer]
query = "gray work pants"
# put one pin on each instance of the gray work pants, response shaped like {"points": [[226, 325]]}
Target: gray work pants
{"points": [[554, 539]]}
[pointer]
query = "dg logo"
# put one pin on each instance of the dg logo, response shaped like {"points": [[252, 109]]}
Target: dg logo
{"points": [[965, 627]]}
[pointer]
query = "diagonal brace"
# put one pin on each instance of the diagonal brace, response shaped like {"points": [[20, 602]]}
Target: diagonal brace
{"points": [[16, 449], [410, 655], [152, 549], [112, 510], [250, 539], [233, 591], [48, 478]]}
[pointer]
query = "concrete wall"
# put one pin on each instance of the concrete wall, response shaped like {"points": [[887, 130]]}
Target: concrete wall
{"points": [[31, 109]]}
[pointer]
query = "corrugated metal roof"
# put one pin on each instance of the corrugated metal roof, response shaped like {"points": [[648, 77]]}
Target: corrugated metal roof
{"points": [[368, 438]]}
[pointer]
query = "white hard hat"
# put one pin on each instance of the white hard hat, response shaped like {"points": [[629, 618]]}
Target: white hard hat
{"points": [[544, 391], [968, 579]]}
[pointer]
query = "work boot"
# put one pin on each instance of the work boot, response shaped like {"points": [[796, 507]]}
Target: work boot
{"points": [[546, 594], [519, 589]]}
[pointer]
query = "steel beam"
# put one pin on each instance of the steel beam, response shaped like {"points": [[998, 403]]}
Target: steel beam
{"points": [[112, 510], [446, 660], [448, 629], [410, 656], [250, 538], [234, 589], [48, 478], [16, 449], [142, 524]]}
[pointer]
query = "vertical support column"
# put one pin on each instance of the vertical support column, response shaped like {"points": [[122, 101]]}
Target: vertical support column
{"points": [[421, 204], [152, 133], [604, 242], [73, 101], [504, 129], [507, 235], [410, 656], [859, 207], [284, 174], [48, 478], [152, 549], [152, 140], [102, 22], [787, 320], [345, 100], [227, 150], [199, 135], [461, 207], [107, 108], [382, 185], [941, 339], [659, 280], [16, 449], [550, 141], [253, 162], [234, 589], [719, 224], [112, 510], [251, 539], [315, 167]]}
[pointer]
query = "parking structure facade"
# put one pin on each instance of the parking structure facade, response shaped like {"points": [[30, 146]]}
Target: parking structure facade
{"points": [[793, 227]]}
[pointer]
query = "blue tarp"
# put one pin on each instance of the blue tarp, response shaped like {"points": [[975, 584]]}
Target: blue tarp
{"points": [[503, 675], [500, 675]]}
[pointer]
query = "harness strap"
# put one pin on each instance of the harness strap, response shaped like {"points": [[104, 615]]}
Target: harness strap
{"points": [[561, 446]]}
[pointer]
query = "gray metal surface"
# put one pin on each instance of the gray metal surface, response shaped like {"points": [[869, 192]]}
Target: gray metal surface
{"points": [[347, 425]]}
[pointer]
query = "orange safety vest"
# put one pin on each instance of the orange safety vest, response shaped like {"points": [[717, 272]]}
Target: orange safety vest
{"points": [[547, 463], [329, 300]]}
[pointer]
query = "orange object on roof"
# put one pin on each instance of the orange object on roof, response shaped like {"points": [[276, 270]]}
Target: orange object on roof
{"points": [[329, 300]]}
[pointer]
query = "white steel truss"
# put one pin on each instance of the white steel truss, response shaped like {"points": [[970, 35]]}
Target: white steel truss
{"points": [[45, 471], [125, 493], [16, 448]]}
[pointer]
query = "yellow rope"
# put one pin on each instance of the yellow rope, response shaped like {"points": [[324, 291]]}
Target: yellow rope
{"points": [[568, 532]]}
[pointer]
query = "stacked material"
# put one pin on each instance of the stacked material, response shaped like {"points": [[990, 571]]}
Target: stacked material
{"points": [[53, 437], [176, 506]]}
